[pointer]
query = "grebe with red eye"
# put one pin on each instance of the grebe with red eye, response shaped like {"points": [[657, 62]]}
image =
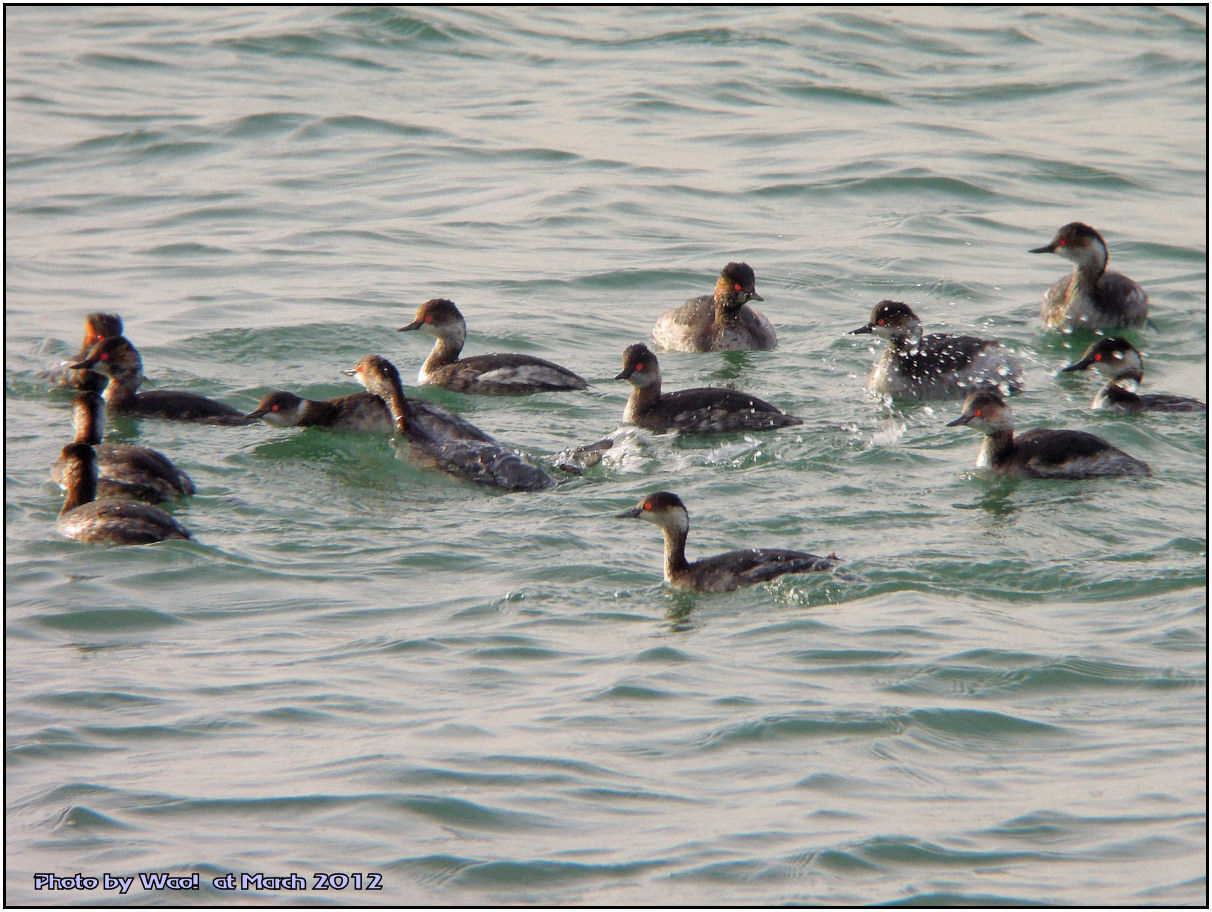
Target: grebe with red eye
{"points": [[1119, 361], [119, 360], [724, 572], [701, 410], [494, 373], [359, 412], [96, 326], [1092, 297], [723, 321], [118, 522], [125, 471], [937, 366], [1040, 453]]}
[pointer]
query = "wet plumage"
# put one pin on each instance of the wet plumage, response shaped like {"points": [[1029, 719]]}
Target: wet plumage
{"points": [[1092, 297], [722, 321], [937, 366]]}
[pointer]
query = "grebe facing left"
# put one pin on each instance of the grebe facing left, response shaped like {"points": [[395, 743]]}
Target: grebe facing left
{"points": [[724, 572], [1092, 297]]}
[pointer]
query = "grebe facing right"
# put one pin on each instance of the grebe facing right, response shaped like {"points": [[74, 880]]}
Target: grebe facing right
{"points": [[1040, 453], [1092, 297], [724, 572], [723, 321], [119, 522], [494, 373], [1121, 363]]}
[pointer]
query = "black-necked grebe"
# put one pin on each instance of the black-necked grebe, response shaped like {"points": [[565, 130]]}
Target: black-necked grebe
{"points": [[1092, 297], [1040, 453], [1119, 361], [358, 412], [462, 452], [96, 326], [937, 366], [493, 373], [702, 410], [120, 522], [720, 322], [119, 360], [724, 572], [125, 472]]}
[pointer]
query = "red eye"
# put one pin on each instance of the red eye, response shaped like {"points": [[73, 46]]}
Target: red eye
{"points": [[879, 322], [105, 356], [648, 505], [639, 367], [976, 413], [1061, 243], [1098, 357], [428, 319], [274, 408]]}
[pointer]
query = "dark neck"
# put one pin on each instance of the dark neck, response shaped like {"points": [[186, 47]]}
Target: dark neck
{"points": [[82, 491], [314, 412], [675, 551], [1087, 274], [401, 410], [90, 424], [445, 351], [727, 310], [1120, 395], [642, 399], [997, 447], [122, 390]]}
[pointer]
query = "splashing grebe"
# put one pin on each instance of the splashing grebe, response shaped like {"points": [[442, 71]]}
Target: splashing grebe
{"points": [[724, 572], [1092, 297], [119, 360], [472, 456], [1040, 453], [120, 522], [494, 373], [96, 326], [720, 322], [937, 366], [125, 472], [1121, 363], [701, 410]]}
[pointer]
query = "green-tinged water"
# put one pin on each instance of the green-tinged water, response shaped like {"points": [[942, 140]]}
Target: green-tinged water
{"points": [[363, 667]]}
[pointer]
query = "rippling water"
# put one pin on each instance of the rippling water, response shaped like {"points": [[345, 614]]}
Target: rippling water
{"points": [[361, 667]]}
